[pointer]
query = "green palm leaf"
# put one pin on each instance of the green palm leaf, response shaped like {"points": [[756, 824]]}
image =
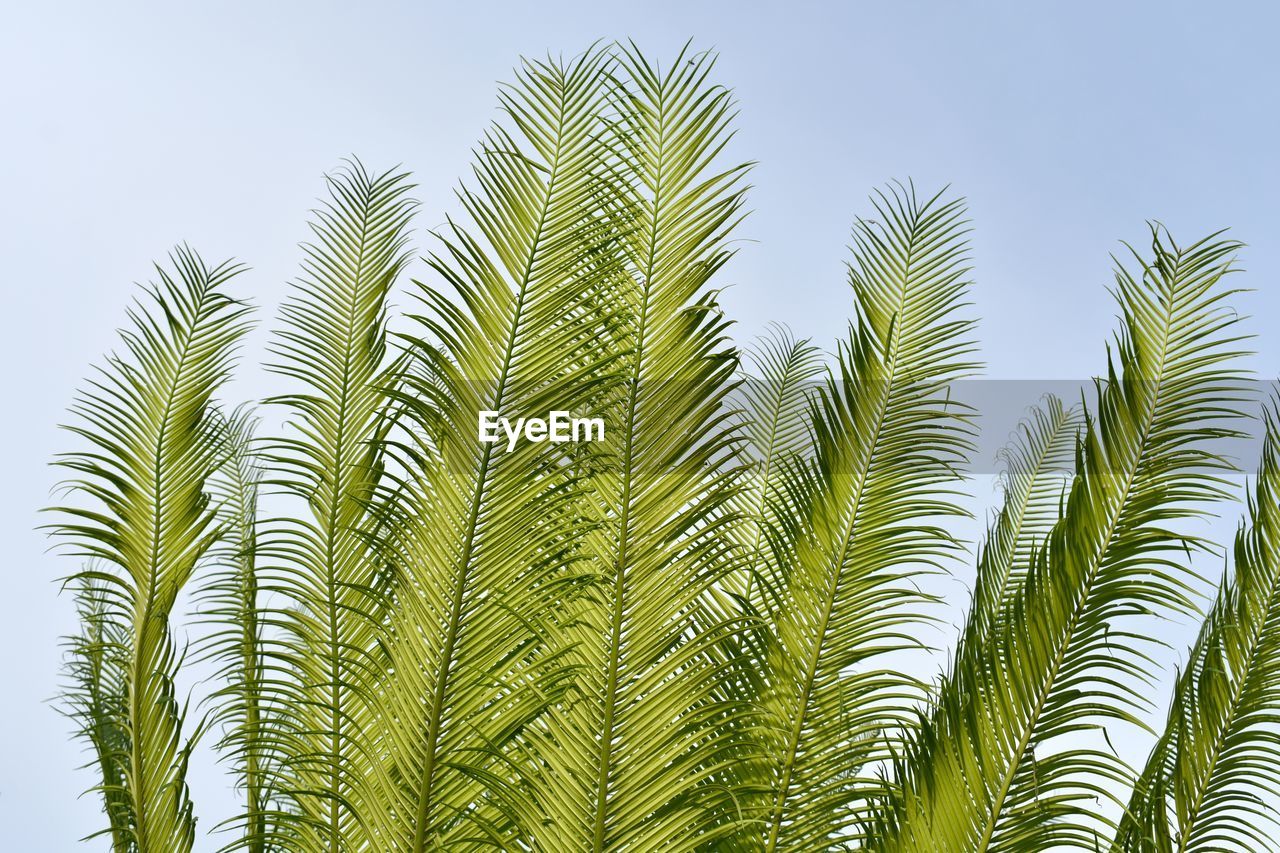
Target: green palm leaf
{"points": [[776, 398], [1005, 767], [323, 657], [228, 601], [888, 444], [1036, 478], [94, 697], [146, 523], [614, 766], [774, 401], [485, 540], [1211, 780]]}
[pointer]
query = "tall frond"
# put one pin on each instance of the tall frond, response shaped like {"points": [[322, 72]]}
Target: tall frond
{"points": [[1009, 765], [228, 602], [1212, 778], [889, 445], [145, 520], [332, 344], [1036, 478], [485, 546], [616, 764], [773, 400]]}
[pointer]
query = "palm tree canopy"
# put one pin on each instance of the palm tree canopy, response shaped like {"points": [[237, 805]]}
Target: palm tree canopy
{"points": [[697, 628]]}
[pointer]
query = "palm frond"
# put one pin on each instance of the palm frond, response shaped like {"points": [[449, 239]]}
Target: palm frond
{"points": [[227, 600], [616, 766], [146, 520], [1212, 778], [1036, 478], [485, 543], [323, 658], [889, 445], [773, 401], [1008, 765], [94, 697], [775, 398]]}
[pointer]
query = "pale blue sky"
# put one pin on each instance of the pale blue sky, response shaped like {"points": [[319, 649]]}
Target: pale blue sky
{"points": [[128, 128]]}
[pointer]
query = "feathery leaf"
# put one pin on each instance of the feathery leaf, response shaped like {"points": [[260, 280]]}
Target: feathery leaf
{"points": [[618, 762], [1213, 776], [889, 447], [485, 542], [227, 600], [147, 521], [324, 658]]}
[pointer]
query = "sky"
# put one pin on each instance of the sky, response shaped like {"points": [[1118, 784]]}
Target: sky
{"points": [[129, 128]]}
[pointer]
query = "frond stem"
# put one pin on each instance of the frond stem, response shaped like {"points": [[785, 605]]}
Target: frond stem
{"points": [[141, 633], [624, 524], [332, 582]]}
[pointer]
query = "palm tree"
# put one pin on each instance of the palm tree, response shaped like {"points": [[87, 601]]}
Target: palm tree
{"points": [[694, 633]]}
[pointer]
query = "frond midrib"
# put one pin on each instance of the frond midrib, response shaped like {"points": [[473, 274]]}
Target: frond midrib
{"points": [[332, 582], [137, 678], [605, 773]]}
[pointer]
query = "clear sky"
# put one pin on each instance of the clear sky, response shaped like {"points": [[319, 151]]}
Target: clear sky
{"points": [[128, 128]]}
